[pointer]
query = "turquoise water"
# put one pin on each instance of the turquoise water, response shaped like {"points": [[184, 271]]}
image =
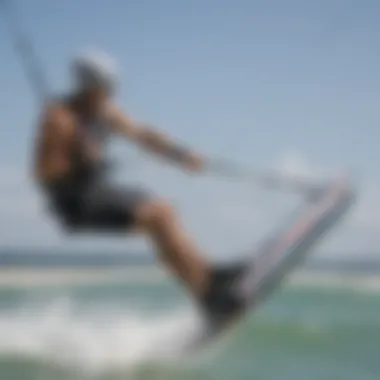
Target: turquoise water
{"points": [[135, 331]]}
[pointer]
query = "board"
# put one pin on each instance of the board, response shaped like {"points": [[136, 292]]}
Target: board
{"points": [[283, 251]]}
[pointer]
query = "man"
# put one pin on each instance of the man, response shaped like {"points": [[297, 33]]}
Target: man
{"points": [[69, 168]]}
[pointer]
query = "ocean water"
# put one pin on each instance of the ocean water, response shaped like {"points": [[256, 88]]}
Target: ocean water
{"points": [[137, 331]]}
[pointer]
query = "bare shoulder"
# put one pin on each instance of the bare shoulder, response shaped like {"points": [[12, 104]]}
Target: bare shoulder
{"points": [[57, 116], [54, 110]]}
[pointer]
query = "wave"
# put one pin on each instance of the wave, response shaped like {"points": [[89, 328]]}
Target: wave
{"points": [[96, 340]]}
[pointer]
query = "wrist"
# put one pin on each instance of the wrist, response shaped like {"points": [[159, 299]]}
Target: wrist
{"points": [[178, 153]]}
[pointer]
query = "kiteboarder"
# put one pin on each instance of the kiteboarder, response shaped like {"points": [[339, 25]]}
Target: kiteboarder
{"points": [[70, 168]]}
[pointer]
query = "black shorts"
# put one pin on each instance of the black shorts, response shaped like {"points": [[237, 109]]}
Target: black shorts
{"points": [[97, 206]]}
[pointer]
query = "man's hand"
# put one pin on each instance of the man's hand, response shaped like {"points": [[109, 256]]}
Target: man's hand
{"points": [[194, 163]]}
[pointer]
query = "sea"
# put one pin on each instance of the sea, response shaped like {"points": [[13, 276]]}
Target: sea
{"points": [[138, 328]]}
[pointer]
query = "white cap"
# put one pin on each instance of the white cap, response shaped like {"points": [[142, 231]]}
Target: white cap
{"points": [[94, 69]]}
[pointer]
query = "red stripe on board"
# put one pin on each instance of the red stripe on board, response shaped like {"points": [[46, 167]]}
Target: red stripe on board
{"points": [[271, 255]]}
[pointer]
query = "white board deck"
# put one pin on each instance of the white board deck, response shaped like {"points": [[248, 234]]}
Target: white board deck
{"points": [[282, 252]]}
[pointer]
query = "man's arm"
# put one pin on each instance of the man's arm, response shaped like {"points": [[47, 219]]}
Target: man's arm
{"points": [[154, 141]]}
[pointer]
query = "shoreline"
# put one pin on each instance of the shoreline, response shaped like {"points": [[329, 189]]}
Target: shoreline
{"points": [[353, 282], [40, 277], [26, 278]]}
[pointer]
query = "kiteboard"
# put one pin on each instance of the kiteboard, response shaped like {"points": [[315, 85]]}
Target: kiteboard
{"points": [[282, 252]]}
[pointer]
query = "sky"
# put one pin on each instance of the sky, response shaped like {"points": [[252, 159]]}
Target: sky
{"points": [[291, 85]]}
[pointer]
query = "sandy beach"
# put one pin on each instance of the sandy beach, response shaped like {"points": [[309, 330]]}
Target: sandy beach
{"points": [[356, 282], [21, 278], [41, 277]]}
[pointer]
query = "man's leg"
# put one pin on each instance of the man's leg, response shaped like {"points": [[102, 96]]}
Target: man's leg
{"points": [[114, 209], [211, 286], [174, 246]]}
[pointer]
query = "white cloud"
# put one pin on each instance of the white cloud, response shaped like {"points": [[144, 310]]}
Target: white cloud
{"points": [[293, 163], [223, 216]]}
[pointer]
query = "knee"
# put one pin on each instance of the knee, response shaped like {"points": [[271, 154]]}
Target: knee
{"points": [[155, 213]]}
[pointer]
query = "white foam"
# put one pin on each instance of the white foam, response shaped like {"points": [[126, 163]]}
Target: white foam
{"points": [[96, 341]]}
